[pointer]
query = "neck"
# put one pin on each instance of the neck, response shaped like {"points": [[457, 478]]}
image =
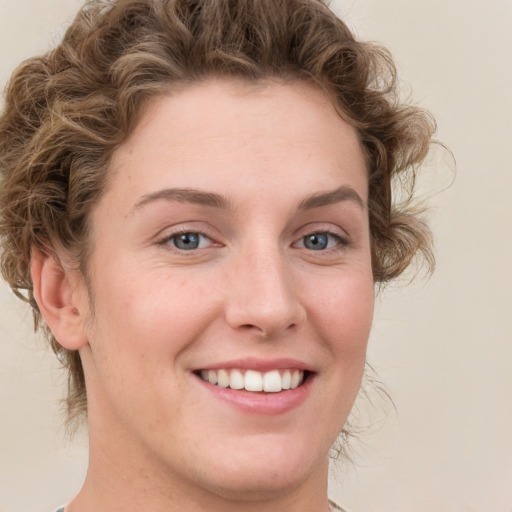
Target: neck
{"points": [[133, 497], [121, 479]]}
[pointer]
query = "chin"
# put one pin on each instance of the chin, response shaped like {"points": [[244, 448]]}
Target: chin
{"points": [[251, 485], [267, 470]]}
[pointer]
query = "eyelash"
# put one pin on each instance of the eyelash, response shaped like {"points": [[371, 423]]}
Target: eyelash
{"points": [[167, 240], [340, 242]]}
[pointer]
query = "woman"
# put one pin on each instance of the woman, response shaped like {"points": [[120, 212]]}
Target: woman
{"points": [[196, 202]]}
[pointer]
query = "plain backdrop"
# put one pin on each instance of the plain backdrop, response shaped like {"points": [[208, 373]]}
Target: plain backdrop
{"points": [[443, 347]]}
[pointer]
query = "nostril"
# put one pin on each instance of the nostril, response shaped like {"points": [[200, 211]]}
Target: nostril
{"points": [[262, 332], [251, 327]]}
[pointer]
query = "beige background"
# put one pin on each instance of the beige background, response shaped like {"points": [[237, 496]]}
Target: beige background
{"points": [[443, 347]]}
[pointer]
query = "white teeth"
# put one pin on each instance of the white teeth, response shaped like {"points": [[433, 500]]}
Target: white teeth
{"points": [[253, 381], [212, 376], [296, 378], [223, 379], [273, 381], [287, 379], [236, 380]]}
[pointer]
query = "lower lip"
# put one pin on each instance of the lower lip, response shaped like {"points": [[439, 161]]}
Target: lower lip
{"points": [[261, 403]]}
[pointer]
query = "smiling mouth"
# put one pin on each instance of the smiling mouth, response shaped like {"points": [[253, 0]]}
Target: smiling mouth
{"points": [[273, 381]]}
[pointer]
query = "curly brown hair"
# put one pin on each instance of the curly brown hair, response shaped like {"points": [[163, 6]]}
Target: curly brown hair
{"points": [[67, 111]]}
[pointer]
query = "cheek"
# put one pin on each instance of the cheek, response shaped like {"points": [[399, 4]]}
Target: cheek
{"points": [[152, 313], [344, 316], [345, 310]]}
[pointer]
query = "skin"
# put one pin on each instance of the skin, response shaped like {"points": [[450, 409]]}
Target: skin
{"points": [[159, 438]]}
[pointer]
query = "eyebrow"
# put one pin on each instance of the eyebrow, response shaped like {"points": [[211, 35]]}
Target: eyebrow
{"points": [[188, 195], [185, 195], [341, 194]]}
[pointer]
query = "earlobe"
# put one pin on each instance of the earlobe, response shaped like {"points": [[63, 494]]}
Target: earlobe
{"points": [[56, 294]]}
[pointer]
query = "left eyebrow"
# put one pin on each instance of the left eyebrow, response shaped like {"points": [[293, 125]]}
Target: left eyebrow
{"points": [[184, 195], [341, 194]]}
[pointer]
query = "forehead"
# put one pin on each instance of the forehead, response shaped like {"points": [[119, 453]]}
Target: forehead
{"points": [[220, 131]]}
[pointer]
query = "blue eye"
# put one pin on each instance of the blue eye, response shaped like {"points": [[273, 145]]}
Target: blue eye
{"points": [[188, 241], [321, 241], [316, 241]]}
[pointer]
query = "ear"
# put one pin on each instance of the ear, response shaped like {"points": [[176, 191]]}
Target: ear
{"points": [[58, 295]]}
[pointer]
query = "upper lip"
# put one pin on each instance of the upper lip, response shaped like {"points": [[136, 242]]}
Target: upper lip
{"points": [[262, 365]]}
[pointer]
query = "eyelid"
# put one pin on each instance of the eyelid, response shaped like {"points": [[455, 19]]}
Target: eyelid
{"points": [[323, 227], [172, 232], [342, 241], [174, 239]]}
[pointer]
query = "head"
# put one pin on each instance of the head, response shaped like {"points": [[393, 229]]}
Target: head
{"points": [[70, 115]]}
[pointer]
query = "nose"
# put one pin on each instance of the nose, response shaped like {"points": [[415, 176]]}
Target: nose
{"points": [[262, 295]]}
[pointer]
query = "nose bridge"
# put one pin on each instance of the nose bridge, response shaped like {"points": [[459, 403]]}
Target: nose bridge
{"points": [[263, 297]]}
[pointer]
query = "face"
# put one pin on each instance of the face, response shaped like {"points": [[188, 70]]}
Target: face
{"points": [[232, 290]]}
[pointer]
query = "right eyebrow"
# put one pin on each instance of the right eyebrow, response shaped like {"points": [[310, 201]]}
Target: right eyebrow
{"points": [[341, 194], [184, 195]]}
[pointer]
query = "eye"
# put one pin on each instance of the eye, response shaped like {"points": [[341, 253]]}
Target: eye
{"points": [[321, 241], [188, 241]]}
